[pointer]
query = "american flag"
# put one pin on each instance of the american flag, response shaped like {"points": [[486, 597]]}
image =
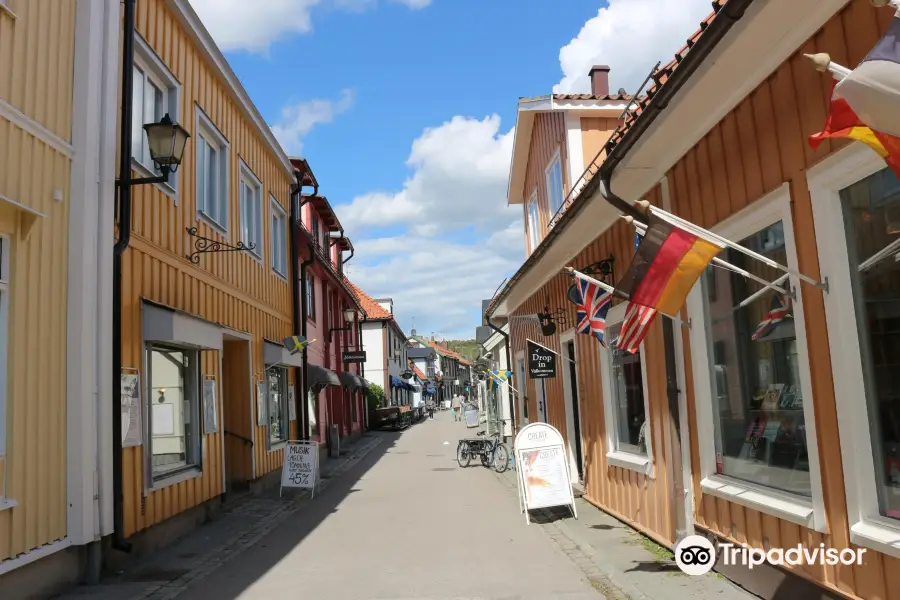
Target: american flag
{"points": [[592, 303], [637, 323], [781, 310]]}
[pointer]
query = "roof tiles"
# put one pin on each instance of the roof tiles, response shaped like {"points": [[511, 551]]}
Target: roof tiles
{"points": [[373, 310]]}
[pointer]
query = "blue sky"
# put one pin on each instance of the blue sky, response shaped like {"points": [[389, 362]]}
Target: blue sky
{"points": [[404, 109]]}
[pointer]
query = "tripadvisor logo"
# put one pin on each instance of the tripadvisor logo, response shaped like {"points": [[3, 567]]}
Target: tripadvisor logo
{"points": [[695, 555]]}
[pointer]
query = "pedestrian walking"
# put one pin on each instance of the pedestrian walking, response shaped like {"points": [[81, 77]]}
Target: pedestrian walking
{"points": [[429, 406], [455, 405]]}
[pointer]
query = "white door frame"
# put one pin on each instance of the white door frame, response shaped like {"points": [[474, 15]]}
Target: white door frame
{"points": [[521, 386], [565, 338]]}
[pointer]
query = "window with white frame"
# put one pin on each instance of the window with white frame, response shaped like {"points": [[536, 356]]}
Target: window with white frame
{"points": [[155, 95], [534, 221], [756, 426], [251, 210], [554, 178], [310, 297], [856, 206], [174, 410], [279, 417], [212, 172], [278, 237], [625, 400], [4, 336]]}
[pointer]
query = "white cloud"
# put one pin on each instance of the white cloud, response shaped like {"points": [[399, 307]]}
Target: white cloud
{"points": [[459, 178], [253, 25], [630, 36], [299, 119], [440, 284]]}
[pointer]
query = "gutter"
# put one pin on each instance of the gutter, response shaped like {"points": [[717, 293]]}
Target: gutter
{"points": [[509, 366], [298, 299], [725, 19]]}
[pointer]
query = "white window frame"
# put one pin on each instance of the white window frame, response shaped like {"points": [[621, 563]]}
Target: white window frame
{"points": [[808, 512], [278, 222], [555, 163], [195, 468], [534, 221], [285, 409], [250, 232], [5, 251], [615, 457], [207, 130], [148, 62], [868, 527]]}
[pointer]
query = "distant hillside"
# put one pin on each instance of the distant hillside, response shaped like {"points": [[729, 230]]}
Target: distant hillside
{"points": [[467, 348]]}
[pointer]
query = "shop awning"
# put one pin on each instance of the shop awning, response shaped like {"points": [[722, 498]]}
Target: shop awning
{"points": [[396, 381], [276, 354], [321, 377], [161, 324], [349, 380], [364, 383]]}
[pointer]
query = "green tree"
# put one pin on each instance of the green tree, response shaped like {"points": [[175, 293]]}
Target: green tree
{"points": [[375, 396]]}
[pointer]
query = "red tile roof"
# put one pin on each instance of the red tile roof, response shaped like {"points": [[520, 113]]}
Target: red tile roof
{"points": [[592, 97], [373, 310], [448, 352]]}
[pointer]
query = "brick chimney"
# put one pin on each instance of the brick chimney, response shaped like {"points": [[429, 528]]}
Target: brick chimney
{"points": [[599, 75]]}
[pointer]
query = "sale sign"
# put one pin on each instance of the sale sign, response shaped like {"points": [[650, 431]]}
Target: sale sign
{"points": [[301, 465]]}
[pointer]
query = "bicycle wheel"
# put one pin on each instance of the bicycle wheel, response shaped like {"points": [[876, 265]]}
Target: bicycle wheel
{"points": [[501, 458], [463, 456]]}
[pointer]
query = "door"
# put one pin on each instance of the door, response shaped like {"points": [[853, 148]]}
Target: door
{"points": [[576, 417], [237, 409], [540, 393], [522, 401]]}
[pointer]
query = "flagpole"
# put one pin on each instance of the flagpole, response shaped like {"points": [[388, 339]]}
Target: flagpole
{"points": [[759, 293], [641, 229], [700, 232], [573, 273]]}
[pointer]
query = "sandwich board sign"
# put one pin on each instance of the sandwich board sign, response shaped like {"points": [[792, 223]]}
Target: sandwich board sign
{"points": [[542, 467], [301, 466]]}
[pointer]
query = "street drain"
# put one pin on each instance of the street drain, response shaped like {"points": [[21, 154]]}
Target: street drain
{"points": [[155, 574]]}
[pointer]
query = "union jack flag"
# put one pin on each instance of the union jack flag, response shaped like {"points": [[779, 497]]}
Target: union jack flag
{"points": [[781, 310], [592, 303]]}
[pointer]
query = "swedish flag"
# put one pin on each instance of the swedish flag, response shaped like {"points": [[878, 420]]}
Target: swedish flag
{"points": [[296, 343]]}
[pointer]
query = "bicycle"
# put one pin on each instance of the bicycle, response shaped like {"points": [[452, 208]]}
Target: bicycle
{"points": [[491, 451]]}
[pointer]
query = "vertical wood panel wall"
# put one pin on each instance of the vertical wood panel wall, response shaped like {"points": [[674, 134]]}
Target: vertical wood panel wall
{"points": [[548, 136], [36, 71], [231, 288], [753, 150]]}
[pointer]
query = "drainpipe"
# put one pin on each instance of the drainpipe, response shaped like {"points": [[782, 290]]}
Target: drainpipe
{"points": [[362, 366], [304, 311], [124, 209], [298, 297], [727, 16], [509, 367]]}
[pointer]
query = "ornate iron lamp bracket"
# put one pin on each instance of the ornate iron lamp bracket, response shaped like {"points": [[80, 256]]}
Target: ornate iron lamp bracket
{"points": [[603, 268], [204, 244]]}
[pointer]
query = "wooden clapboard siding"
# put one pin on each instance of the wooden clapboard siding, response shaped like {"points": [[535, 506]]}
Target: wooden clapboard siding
{"points": [[548, 136], [633, 497], [595, 131], [230, 288], [36, 70], [759, 146]]}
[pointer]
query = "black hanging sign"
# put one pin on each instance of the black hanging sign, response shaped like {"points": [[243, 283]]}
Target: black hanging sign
{"points": [[354, 356], [541, 361]]}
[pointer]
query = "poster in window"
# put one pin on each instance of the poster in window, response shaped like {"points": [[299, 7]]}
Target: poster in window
{"points": [[131, 409], [210, 407], [260, 403], [292, 406]]}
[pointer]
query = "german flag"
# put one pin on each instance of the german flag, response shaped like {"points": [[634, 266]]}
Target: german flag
{"points": [[667, 264], [843, 122]]}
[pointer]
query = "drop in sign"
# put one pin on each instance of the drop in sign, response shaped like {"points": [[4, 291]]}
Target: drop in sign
{"points": [[541, 361]]}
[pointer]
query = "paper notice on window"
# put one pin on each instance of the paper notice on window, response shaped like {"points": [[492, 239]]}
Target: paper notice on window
{"points": [[292, 404], [210, 407], [131, 410], [545, 478], [261, 403]]}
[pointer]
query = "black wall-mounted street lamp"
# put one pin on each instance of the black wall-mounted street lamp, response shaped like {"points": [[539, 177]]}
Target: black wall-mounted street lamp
{"points": [[349, 316], [167, 141]]}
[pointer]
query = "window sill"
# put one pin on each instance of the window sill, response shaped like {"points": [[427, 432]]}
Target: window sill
{"points": [[277, 446], [789, 507], [223, 231], [627, 460], [7, 503], [280, 274], [143, 171], [175, 478], [877, 536]]}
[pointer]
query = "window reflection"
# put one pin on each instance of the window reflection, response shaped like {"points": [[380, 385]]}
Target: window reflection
{"points": [[278, 414], [627, 387], [174, 404], [754, 368], [871, 210]]}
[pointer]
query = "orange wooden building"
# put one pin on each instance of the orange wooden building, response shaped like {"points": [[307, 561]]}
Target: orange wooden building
{"points": [[773, 440], [202, 328]]}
